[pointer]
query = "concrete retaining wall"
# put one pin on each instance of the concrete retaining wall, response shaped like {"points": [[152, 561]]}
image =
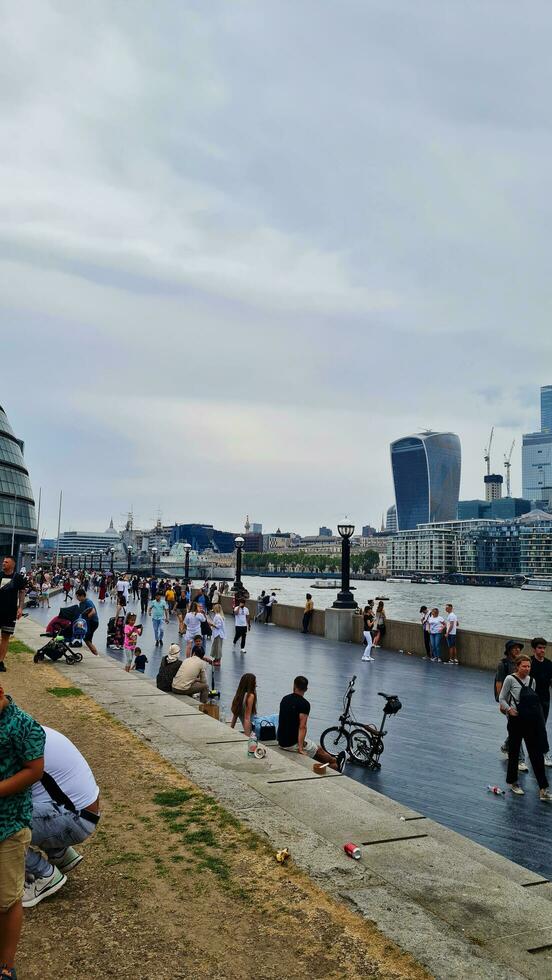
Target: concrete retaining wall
{"points": [[480, 650]]}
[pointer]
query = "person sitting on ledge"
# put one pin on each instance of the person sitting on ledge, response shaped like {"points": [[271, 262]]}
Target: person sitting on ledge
{"points": [[244, 705], [168, 668], [190, 678], [292, 727]]}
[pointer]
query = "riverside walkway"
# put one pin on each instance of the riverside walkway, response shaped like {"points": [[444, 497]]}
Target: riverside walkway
{"points": [[441, 751]]}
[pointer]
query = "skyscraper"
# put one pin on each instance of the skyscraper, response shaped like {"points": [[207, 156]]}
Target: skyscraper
{"points": [[17, 509], [426, 474], [546, 408]]}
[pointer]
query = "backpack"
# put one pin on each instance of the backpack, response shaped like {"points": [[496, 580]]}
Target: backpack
{"points": [[266, 600], [528, 706]]}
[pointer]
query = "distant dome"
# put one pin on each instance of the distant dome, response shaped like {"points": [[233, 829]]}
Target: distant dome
{"points": [[15, 491]]}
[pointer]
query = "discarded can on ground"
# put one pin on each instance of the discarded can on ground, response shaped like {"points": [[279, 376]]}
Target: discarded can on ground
{"points": [[496, 790], [252, 744], [352, 851], [260, 752], [282, 855]]}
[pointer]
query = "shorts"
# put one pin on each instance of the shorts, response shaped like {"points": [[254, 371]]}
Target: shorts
{"points": [[92, 627], [12, 868], [451, 640], [309, 748], [129, 656], [8, 628]]}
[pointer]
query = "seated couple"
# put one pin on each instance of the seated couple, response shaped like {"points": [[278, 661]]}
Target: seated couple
{"points": [[292, 720], [187, 676]]}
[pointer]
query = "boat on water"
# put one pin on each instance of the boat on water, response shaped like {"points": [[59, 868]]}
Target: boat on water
{"points": [[399, 580], [328, 583], [174, 564], [538, 585]]}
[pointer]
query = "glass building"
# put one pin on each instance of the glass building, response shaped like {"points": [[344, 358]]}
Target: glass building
{"points": [[536, 464], [546, 408], [17, 507], [426, 474]]}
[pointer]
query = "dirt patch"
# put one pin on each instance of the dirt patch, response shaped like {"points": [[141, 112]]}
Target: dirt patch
{"points": [[172, 885]]}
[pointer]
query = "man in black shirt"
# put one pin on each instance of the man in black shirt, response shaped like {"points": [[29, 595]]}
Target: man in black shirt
{"points": [[292, 727], [12, 597], [541, 671]]}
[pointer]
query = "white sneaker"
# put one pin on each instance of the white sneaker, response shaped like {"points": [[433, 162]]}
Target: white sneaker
{"points": [[545, 795], [41, 888], [548, 760], [365, 659], [69, 860], [523, 767], [517, 789]]}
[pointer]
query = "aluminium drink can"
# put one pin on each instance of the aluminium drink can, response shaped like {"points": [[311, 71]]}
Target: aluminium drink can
{"points": [[352, 851]]}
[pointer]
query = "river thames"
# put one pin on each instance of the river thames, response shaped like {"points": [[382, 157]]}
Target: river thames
{"points": [[486, 609]]}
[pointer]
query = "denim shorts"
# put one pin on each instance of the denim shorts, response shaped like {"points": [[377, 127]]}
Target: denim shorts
{"points": [[451, 640]]}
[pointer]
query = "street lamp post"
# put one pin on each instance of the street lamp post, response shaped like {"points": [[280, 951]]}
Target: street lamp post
{"points": [[345, 598], [238, 584], [100, 561], [79, 558], [129, 557], [112, 552], [187, 549], [153, 560]]}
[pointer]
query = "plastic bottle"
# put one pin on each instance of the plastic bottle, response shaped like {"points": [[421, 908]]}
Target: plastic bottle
{"points": [[252, 745], [496, 790]]}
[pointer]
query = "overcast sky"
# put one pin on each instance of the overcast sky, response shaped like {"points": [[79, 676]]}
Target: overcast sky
{"points": [[246, 244]]}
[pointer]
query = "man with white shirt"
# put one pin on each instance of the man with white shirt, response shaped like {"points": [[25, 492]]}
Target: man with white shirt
{"points": [[65, 812], [242, 622], [452, 627]]}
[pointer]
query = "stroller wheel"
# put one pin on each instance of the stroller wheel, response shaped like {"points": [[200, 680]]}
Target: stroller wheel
{"points": [[77, 657], [38, 657]]}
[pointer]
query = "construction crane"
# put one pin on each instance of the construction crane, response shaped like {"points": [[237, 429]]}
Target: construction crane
{"points": [[487, 456], [507, 465]]}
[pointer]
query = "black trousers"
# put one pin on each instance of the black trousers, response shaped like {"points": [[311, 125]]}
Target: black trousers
{"points": [[426, 643], [144, 605], [306, 621], [241, 633], [268, 616], [518, 731]]}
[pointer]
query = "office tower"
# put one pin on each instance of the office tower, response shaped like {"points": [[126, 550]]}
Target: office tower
{"points": [[493, 486], [536, 467], [391, 519], [17, 508], [426, 475], [546, 408], [325, 532]]}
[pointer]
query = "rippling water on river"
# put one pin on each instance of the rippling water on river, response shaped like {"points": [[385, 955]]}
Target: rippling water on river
{"points": [[488, 610]]}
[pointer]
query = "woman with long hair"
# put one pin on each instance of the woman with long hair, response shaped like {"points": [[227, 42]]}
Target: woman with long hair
{"points": [[219, 633], [368, 624], [193, 621], [244, 705], [381, 624]]}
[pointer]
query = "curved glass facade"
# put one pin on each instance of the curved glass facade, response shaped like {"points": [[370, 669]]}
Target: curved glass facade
{"points": [[17, 508], [426, 474]]}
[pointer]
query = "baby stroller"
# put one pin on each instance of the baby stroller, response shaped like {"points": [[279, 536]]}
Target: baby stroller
{"points": [[116, 632], [32, 599], [59, 631]]}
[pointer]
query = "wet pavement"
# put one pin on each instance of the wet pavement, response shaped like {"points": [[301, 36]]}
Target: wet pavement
{"points": [[441, 750]]}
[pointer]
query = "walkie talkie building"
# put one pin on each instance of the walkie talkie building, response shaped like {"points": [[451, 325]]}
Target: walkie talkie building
{"points": [[17, 507], [426, 474]]}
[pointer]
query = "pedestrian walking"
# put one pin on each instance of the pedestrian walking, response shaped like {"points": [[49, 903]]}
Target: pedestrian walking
{"points": [[159, 612], [102, 589], [424, 619], [144, 596], [193, 622], [12, 598], [541, 672], [260, 608], [242, 624], [519, 701], [219, 633], [307, 613]]}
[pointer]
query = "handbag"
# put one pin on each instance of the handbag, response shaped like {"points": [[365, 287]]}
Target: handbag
{"points": [[266, 728]]}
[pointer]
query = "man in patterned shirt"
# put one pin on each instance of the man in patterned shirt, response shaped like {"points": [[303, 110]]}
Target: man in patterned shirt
{"points": [[21, 764]]}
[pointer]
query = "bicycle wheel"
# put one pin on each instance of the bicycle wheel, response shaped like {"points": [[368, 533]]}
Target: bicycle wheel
{"points": [[335, 740], [365, 749]]}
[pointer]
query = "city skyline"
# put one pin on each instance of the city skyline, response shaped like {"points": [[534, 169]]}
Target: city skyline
{"points": [[252, 262]]}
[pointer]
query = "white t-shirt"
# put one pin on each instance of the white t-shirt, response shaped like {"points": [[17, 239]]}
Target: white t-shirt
{"points": [[193, 623], [123, 586], [218, 626], [435, 624], [272, 600], [241, 615], [69, 768], [452, 618]]}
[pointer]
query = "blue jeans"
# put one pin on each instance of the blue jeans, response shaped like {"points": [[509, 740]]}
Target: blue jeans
{"points": [[158, 629], [54, 829], [435, 644]]}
